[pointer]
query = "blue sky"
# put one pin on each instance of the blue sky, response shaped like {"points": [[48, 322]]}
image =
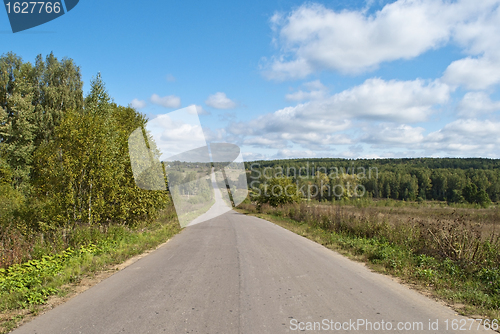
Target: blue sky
{"points": [[287, 79]]}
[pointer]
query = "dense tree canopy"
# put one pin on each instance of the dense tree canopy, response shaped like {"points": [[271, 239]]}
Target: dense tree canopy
{"points": [[472, 180], [64, 158]]}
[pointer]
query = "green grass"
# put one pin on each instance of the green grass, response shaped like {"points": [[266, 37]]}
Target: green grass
{"points": [[25, 286], [473, 292]]}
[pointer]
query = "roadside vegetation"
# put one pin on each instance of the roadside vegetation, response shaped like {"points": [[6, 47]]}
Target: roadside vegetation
{"points": [[452, 253], [434, 223], [69, 204], [25, 288]]}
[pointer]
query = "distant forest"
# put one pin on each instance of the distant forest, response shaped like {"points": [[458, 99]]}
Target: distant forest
{"points": [[456, 180]]}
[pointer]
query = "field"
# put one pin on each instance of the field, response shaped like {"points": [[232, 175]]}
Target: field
{"points": [[451, 253]]}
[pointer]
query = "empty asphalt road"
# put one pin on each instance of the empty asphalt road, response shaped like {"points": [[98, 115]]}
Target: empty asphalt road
{"points": [[241, 274]]}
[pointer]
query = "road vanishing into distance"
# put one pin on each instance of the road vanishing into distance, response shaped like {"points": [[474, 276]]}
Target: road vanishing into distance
{"points": [[241, 274]]}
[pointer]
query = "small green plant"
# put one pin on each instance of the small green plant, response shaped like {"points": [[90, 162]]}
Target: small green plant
{"points": [[31, 283], [28, 280]]}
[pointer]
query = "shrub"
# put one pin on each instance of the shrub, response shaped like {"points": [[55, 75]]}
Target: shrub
{"points": [[278, 191]]}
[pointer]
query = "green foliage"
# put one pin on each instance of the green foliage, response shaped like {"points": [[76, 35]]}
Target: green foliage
{"points": [[473, 195], [33, 100], [483, 199], [64, 160], [57, 88], [491, 278], [11, 199], [470, 193], [68, 198], [443, 179], [278, 191], [32, 282], [28, 280]]}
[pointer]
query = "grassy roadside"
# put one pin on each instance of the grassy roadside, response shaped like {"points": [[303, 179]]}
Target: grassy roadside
{"points": [[469, 293], [26, 288]]}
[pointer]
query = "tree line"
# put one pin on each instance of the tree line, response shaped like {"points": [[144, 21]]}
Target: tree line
{"points": [[455, 180]]}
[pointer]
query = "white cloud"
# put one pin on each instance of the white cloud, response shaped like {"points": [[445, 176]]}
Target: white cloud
{"points": [[170, 101], [466, 137], [289, 154], [383, 117], [183, 133], [213, 136], [391, 134], [351, 42], [250, 156], [473, 73], [312, 37], [170, 78], [316, 91], [314, 85], [177, 132], [479, 35], [138, 104], [476, 103], [404, 101], [301, 95], [270, 141], [322, 123], [219, 100]]}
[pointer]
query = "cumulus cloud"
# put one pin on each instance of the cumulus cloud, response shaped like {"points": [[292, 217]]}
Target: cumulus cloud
{"points": [[170, 101], [473, 73], [321, 123], [375, 99], [394, 135], [219, 100], [316, 91], [250, 156], [390, 117], [466, 137], [269, 141], [476, 103], [215, 135], [394, 100], [177, 132], [313, 37], [479, 35], [289, 154], [138, 104]]}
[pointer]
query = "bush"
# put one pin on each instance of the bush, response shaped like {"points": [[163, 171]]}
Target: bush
{"points": [[278, 191]]}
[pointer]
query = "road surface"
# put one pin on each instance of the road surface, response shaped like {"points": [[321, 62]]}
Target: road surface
{"points": [[240, 274], [220, 206]]}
